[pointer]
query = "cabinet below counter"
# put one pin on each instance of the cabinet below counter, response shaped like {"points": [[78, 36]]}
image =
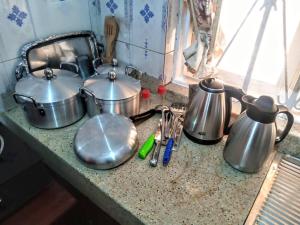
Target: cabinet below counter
{"points": [[198, 186]]}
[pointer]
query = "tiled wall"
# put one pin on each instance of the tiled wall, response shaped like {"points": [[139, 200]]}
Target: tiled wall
{"points": [[22, 21], [146, 37]]}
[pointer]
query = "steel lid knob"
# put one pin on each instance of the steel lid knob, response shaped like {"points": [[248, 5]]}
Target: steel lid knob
{"points": [[48, 73], [112, 75]]}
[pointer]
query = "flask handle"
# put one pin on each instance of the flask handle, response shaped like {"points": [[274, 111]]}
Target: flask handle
{"points": [[288, 126], [236, 93]]}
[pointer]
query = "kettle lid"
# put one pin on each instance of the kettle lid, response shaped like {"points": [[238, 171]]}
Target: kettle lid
{"points": [[262, 109], [212, 85]]}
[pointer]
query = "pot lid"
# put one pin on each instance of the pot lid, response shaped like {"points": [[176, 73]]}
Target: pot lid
{"points": [[105, 68], [56, 85], [212, 85], [113, 86], [105, 141]]}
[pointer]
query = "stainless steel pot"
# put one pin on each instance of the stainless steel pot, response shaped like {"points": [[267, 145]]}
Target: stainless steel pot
{"points": [[51, 101], [113, 92]]}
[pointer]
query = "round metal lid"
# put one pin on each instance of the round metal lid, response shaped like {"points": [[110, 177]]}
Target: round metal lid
{"points": [[55, 86], [113, 86], [105, 68], [105, 141]]}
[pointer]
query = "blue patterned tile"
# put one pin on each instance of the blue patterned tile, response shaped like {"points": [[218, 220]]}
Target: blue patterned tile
{"points": [[164, 16], [122, 14], [17, 16], [111, 5], [146, 48], [147, 24], [147, 13], [16, 28]]}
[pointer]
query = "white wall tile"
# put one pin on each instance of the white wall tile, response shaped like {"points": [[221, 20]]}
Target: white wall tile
{"points": [[57, 17], [7, 75], [148, 61], [148, 31], [2, 50], [96, 18], [15, 26], [124, 52]]}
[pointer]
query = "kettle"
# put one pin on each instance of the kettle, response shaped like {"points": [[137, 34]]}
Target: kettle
{"points": [[209, 110], [254, 134]]}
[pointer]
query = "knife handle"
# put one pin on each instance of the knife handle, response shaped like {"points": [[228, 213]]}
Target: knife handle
{"points": [[168, 152], [146, 147]]}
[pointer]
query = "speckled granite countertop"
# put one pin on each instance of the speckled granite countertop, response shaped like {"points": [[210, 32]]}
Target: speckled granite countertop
{"points": [[198, 187]]}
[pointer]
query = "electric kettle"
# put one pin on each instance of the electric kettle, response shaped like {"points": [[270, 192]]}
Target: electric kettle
{"points": [[253, 135], [209, 110]]}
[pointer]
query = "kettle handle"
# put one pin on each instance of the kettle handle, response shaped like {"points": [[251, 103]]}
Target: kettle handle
{"points": [[290, 117], [232, 92]]}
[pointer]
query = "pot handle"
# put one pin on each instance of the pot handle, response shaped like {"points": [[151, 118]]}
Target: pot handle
{"points": [[1, 144], [290, 117], [83, 91], [96, 63], [69, 66], [138, 73], [19, 71], [16, 96], [144, 116]]}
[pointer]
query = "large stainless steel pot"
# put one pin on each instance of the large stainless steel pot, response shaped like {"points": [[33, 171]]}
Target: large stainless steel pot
{"points": [[51, 101], [112, 92]]}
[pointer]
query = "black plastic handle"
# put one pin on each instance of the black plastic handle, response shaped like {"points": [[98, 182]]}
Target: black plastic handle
{"points": [[137, 119], [232, 92], [290, 117]]}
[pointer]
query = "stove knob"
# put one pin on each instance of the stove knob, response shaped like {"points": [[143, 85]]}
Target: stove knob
{"points": [[2, 203]]}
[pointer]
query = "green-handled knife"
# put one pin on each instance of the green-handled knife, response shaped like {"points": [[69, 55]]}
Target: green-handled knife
{"points": [[146, 147]]}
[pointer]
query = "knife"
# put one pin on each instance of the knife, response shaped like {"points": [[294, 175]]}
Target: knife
{"points": [[147, 146], [173, 142], [157, 144]]}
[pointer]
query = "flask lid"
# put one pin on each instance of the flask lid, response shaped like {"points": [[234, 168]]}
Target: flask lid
{"points": [[262, 109]]}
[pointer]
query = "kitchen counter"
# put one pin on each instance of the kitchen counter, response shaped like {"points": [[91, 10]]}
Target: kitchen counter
{"points": [[198, 186]]}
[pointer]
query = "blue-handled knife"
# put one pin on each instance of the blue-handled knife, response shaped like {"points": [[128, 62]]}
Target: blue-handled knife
{"points": [[168, 152]]}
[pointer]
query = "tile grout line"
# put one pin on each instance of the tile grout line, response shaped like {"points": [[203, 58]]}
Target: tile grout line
{"points": [[89, 2], [146, 48], [31, 19], [8, 60]]}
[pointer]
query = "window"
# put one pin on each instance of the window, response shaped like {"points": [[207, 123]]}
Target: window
{"points": [[256, 47]]}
